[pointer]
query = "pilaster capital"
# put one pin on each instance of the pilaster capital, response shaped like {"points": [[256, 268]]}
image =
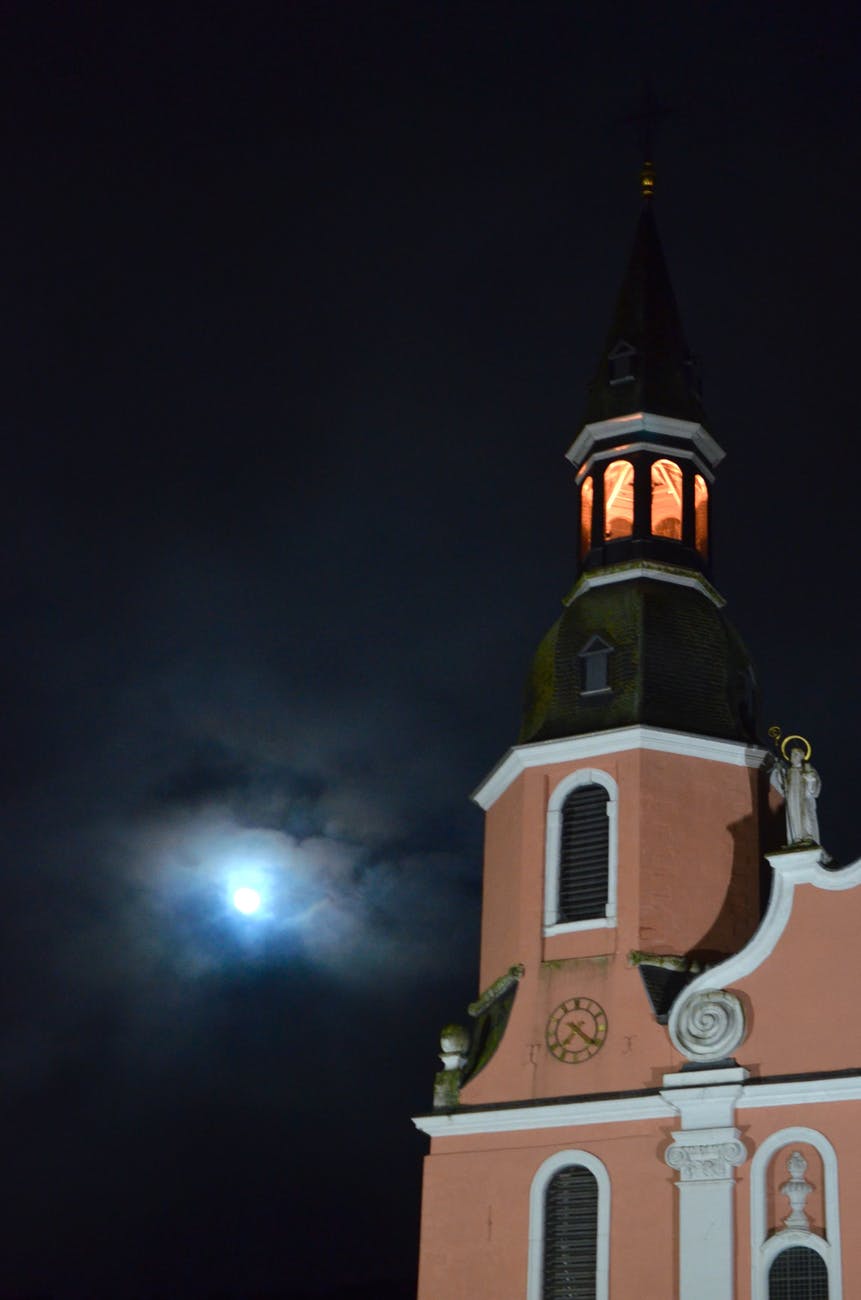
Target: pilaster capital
{"points": [[705, 1155]]}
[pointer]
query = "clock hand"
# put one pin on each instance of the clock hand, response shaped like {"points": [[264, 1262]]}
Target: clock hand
{"points": [[572, 1024]]}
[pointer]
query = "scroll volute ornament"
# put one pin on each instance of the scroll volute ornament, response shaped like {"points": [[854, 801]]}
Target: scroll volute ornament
{"points": [[707, 1026]]}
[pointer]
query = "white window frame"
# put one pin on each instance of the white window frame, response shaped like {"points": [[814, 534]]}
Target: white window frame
{"points": [[602, 648], [764, 1249], [553, 843], [535, 1266]]}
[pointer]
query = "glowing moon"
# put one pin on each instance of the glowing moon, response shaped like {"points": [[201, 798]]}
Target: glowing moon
{"points": [[246, 900]]}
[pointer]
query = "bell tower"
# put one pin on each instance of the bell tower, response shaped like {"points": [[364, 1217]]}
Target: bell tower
{"points": [[622, 829], [622, 834]]}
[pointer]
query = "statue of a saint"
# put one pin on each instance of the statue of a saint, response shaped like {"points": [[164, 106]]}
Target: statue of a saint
{"points": [[799, 784]]}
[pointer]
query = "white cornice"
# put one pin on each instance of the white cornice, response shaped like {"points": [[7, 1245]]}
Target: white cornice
{"points": [[624, 1110], [594, 744], [790, 867], [645, 569], [612, 452], [627, 426], [801, 1092], [555, 1115]]}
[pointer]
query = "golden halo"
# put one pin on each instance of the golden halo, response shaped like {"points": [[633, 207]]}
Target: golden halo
{"points": [[804, 741]]}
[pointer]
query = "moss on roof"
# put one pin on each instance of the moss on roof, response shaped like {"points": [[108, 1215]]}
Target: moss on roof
{"points": [[676, 662]]}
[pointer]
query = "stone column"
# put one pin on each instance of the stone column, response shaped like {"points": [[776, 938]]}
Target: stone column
{"points": [[705, 1151]]}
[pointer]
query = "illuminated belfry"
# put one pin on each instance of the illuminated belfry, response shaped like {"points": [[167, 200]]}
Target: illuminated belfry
{"points": [[643, 617], [625, 1110]]}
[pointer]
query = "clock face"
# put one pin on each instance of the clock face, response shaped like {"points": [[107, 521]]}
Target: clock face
{"points": [[576, 1030]]}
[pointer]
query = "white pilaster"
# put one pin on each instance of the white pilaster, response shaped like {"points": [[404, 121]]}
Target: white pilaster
{"points": [[705, 1151]]}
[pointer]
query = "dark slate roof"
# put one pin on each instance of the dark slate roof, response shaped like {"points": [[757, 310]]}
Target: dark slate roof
{"points": [[647, 318], [676, 662]]}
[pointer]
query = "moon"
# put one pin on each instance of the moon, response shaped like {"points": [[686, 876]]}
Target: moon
{"points": [[246, 900]]}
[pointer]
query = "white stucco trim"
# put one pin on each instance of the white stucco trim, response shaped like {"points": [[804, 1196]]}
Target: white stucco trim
{"points": [[553, 841], [566, 1114], [711, 1106], [780, 1242], [551, 1166], [671, 453], [801, 1092], [595, 744], [658, 572], [764, 1248], [790, 867], [625, 1110], [627, 426]]}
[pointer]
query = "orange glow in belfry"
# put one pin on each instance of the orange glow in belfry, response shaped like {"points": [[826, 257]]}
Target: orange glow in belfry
{"points": [[587, 495], [667, 499], [701, 516], [618, 499]]}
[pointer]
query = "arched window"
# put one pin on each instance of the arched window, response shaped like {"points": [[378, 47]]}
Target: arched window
{"points": [[798, 1273], [587, 495], [618, 499], [570, 1234], [795, 1256], [569, 1229], [701, 515], [581, 853], [667, 499]]}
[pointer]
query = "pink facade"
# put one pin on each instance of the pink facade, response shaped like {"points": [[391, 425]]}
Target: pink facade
{"points": [[683, 886], [797, 1066]]}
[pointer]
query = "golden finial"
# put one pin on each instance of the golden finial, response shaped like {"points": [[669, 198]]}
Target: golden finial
{"points": [[647, 180]]}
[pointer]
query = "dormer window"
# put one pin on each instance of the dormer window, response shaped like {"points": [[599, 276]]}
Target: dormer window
{"points": [[595, 666], [620, 363]]}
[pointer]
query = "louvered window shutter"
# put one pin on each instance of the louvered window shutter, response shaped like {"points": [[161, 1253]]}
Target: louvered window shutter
{"points": [[584, 855], [798, 1273], [571, 1235]]}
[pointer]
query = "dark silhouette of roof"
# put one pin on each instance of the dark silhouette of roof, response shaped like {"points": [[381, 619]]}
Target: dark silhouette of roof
{"points": [[660, 373]]}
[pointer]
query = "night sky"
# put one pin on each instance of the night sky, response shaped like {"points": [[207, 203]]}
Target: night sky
{"points": [[299, 305]]}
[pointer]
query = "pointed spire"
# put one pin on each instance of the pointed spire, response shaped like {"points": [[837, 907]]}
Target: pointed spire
{"points": [[646, 364]]}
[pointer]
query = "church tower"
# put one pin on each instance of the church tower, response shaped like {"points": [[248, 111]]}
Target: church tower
{"points": [[625, 1110]]}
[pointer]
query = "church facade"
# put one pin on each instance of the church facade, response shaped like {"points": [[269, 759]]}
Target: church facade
{"points": [[658, 1092]]}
